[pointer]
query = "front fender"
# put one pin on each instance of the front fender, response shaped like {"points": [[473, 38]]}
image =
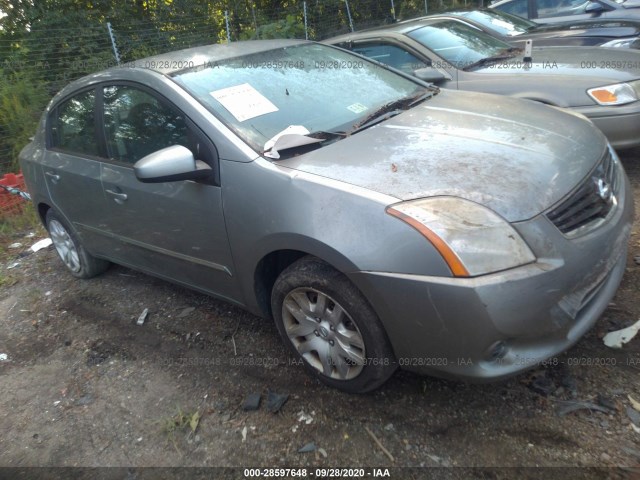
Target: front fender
{"points": [[279, 208]]}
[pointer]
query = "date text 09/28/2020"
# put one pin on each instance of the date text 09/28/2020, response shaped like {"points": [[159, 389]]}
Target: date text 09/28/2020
{"points": [[316, 472]]}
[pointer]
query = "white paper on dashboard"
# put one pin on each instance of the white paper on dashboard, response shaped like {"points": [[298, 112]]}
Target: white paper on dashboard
{"points": [[244, 102]]}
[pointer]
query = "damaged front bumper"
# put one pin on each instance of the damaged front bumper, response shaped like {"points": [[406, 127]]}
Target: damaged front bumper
{"points": [[498, 325]]}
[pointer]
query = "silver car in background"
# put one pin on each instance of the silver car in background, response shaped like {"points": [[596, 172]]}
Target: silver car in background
{"points": [[602, 84], [381, 222]]}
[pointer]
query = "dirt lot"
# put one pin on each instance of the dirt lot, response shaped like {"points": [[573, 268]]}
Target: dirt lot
{"points": [[83, 385]]}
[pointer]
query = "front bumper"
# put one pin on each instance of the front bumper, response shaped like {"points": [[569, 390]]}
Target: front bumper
{"points": [[498, 325], [620, 124]]}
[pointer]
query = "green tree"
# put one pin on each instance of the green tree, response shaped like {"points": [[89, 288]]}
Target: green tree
{"points": [[22, 99]]}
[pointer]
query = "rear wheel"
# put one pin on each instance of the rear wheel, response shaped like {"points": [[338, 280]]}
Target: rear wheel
{"points": [[77, 260], [327, 322]]}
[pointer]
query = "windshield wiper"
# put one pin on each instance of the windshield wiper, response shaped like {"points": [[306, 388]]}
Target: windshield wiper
{"points": [[297, 138], [289, 143], [502, 55], [390, 109]]}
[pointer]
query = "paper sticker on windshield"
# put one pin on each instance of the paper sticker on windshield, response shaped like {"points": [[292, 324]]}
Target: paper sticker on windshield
{"points": [[357, 108], [244, 102]]}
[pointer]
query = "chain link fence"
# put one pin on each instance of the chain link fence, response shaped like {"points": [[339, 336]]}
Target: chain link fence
{"points": [[37, 64]]}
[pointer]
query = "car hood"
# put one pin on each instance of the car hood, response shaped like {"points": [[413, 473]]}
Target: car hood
{"points": [[586, 63], [603, 28], [516, 157]]}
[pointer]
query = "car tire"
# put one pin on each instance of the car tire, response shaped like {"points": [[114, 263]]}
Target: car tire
{"points": [[78, 261], [327, 322]]}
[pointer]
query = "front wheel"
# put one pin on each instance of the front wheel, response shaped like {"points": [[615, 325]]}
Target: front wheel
{"points": [[77, 260], [327, 322]]}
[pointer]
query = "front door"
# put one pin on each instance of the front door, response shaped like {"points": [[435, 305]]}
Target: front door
{"points": [[176, 229]]}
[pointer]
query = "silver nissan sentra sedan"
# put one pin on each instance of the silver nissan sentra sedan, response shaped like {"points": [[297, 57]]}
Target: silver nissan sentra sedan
{"points": [[381, 222]]}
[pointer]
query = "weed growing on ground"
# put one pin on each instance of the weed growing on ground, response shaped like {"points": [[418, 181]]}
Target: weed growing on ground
{"points": [[181, 422]]}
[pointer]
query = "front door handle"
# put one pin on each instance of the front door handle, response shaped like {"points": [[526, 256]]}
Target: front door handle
{"points": [[53, 176], [118, 196]]}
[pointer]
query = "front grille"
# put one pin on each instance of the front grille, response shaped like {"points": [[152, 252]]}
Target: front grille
{"points": [[592, 201]]}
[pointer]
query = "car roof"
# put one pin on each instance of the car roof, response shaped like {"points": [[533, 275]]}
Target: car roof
{"points": [[176, 61], [399, 28], [171, 62], [459, 12]]}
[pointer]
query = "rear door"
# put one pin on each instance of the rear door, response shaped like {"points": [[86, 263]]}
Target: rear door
{"points": [[175, 230], [72, 167]]}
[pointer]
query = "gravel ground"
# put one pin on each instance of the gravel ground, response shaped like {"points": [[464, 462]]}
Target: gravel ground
{"points": [[83, 385]]}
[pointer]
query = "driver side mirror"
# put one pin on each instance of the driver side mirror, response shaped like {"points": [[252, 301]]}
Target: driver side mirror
{"points": [[429, 74], [594, 7], [171, 164]]}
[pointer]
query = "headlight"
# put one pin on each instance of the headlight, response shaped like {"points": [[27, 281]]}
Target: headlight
{"points": [[619, 43], [472, 239], [617, 94]]}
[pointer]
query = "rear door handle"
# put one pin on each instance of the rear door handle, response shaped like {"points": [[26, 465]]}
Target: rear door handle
{"points": [[118, 196], [53, 176]]}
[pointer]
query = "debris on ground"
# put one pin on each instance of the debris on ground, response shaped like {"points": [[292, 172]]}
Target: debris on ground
{"points": [[543, 385], [85, 400], [440, 461], [244, 434], [251, 402], [569, 382], [637, 259], [142, 317], [40, 244], [4, 357], [379, 444], [309, 447], [634, 416], [15, 245], [13, 265], [606, 402], [305, 417], [619, 337], [568, 406], [186, 312], [634, 403], [275, 401]]}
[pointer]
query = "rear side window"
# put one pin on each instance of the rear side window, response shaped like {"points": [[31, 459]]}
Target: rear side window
{"points": [[517, 7], [137, 124], [73, 127], [554, 8]]}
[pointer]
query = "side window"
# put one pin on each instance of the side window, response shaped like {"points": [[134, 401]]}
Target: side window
{"points": [[557, 8], [516, 7], [73, 125], [392, 55], [137, 124]]}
